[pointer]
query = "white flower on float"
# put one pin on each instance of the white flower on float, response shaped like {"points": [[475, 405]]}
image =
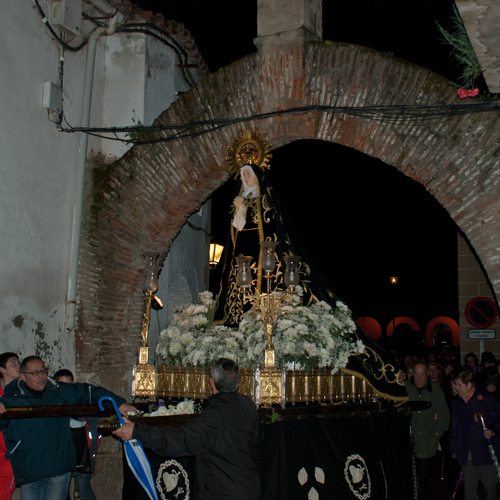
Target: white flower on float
{"points": [[323, 305], [206, 298], [317, 325], [175, 348], [302, 329], [161, 411], [186, 339], [198, 319], [360, 346], [283, 324], [185, 407], [200, 309], [312, 316]]}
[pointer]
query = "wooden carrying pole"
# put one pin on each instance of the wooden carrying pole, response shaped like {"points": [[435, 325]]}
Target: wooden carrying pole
{"points": [[55, 411]]}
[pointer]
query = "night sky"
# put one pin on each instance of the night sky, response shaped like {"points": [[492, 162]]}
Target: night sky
{"points": [[361, 219]]}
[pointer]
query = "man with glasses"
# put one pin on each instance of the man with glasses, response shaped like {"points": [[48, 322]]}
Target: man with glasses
{"points": [[9, 371], [41, 450]]}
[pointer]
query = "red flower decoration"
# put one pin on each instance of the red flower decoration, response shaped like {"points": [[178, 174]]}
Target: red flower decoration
{"points": [[473, 92], [462, 93]]}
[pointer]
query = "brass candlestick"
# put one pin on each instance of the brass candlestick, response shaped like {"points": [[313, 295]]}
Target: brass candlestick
{"points": [[270, 380], [145, 374]]}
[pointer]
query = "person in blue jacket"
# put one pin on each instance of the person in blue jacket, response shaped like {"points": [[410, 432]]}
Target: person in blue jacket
{"points": [[468, 438], [41, 450]]}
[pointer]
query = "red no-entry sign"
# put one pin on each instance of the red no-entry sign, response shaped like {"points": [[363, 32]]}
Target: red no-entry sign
{"points": [[481, 312]]}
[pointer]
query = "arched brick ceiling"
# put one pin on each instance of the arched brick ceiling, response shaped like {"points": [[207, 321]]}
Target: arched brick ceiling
{"points": [[141, 201]]}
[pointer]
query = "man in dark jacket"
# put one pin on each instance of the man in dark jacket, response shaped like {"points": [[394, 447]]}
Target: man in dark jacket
{"points": [[427, 425], [223, 437], [41, 450]]}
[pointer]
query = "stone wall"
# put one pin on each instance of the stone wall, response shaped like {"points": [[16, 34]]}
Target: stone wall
{"points": [[472, 283]]}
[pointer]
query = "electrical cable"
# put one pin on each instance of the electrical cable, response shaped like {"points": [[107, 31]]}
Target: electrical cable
{"points": [[186, 78], [61, 84], [54, 34], [131, 28], [171, 43], [64, 39], [389, 114]]}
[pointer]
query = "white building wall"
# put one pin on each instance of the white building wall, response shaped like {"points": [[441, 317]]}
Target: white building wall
{"points": [[140, 82], [159, 81], [37, 168], [124, 79], [38, 163]]}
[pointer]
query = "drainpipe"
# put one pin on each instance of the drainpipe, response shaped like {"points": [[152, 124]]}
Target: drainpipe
{"points": [[105, 8], [82, 155]]}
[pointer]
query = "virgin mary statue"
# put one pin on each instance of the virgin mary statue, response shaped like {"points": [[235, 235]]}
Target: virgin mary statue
{"points": [[257, 215]]}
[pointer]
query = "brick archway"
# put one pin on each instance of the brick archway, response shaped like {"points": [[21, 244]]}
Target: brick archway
{"points": [[141, 201]]}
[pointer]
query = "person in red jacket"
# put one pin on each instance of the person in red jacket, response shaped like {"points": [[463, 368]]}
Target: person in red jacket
{"points": [[9, 371]]}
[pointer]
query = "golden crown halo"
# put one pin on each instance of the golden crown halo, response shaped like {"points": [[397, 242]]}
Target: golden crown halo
{"points": [[249, 147]]}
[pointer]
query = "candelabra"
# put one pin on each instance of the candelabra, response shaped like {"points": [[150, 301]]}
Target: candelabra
{"points": [[270, 380]]}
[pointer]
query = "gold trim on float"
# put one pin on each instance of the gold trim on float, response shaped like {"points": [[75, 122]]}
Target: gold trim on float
{"points": [[145, 381], [265, 386], [380, 394]]}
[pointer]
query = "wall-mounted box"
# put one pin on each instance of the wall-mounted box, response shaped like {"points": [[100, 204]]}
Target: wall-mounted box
{"points": [[67, 16], [52, 97]]}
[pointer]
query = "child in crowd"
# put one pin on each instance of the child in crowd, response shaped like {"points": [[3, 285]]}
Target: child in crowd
{"points": [[83, 485]]}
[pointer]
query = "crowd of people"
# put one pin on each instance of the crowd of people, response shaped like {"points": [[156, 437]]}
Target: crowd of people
{"points": [[462, 422], [455, 412], [39, 454]]}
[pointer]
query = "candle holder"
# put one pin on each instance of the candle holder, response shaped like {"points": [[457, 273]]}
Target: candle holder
{"points": [[270, 381], [144, 373]]}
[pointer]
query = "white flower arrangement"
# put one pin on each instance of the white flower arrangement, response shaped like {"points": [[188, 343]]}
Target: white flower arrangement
{"points": [[182, 408], [308, 336], [187, 407], [191, 338], [217, 342], [311, 336]]}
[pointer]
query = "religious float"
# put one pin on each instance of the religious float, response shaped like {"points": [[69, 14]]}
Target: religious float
{"points": [[324, 388], [295, 344]]}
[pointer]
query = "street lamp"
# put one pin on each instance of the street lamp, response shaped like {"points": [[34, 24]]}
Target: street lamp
{"points": [[215, 254], [394, 281]]}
